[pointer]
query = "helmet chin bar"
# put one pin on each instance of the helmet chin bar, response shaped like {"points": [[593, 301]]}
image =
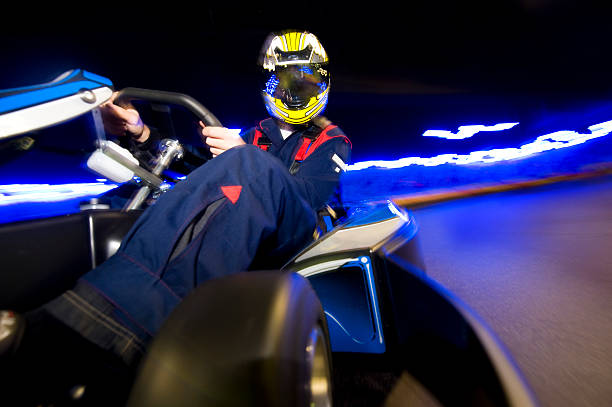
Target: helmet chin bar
{"points": [[280, 111]]}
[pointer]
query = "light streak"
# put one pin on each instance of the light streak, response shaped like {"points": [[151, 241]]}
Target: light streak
{"points": [[235, 132], [467, 131], [22, 193], [552, 141]]}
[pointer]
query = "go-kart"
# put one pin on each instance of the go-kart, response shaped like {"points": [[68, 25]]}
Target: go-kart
{"points": [[351, 320]]}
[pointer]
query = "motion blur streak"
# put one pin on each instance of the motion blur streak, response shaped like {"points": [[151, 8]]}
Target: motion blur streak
{"points": [[467, 131], [19, 193], [547, 142]]}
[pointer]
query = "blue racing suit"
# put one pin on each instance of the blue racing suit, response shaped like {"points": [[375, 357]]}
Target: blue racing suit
{"points": [[253, 204]]}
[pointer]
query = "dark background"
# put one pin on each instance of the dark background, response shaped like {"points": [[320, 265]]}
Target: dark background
{"points": [[396, 70]]}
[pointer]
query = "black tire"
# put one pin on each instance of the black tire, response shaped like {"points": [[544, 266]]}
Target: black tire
{"points": [[255, 338]]}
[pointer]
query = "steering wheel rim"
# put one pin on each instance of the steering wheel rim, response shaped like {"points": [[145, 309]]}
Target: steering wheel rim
{"points": [[202, 113]]}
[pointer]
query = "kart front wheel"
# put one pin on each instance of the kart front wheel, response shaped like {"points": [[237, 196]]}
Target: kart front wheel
{"points": [[318, 351], [253, 338]]}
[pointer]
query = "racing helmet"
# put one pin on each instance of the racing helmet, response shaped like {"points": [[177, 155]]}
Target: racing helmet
{"points": [[297, 81]]}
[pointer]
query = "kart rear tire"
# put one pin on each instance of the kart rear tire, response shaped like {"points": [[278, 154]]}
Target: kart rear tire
{"points": [[253, 338]]}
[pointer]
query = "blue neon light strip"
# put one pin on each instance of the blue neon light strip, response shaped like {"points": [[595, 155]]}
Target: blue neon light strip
{"points": [[467, 131], [547, 142], [22, 193]]}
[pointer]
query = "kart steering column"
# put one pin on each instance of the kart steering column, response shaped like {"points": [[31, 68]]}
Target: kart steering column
{"points": [[170, 150]]}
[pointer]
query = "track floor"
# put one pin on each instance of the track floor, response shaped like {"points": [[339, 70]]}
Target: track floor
{"points": [[536, 264]]}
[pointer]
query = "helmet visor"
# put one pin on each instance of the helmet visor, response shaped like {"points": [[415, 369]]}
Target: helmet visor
{"points": [[295, 85]]}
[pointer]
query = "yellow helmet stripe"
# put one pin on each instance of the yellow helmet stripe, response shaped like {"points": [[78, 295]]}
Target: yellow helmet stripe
{"points": [[290, 40], [293, 42], [285, 45]]}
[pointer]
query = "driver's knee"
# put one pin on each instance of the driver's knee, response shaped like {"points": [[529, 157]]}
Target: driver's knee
{"points": [[259, 175]]}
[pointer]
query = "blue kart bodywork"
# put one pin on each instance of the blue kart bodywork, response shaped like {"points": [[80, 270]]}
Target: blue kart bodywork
{"points": [[367, 271]]}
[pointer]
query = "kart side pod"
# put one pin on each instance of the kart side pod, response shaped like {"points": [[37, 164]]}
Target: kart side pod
{"points": [[385, 313]]}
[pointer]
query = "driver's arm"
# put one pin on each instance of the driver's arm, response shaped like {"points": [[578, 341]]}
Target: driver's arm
{"points": [[219, 139], [124, 121]]}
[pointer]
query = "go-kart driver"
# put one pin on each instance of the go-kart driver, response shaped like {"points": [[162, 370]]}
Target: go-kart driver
{"points": [[252, 206]]}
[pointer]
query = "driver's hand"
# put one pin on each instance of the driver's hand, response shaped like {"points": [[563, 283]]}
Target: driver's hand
{"points": [[220, 139], [123, 121]]}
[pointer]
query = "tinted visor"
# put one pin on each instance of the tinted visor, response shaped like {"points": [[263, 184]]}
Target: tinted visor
{"points": [[295, 85]]}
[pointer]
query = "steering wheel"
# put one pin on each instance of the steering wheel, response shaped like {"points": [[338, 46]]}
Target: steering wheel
{"points": [[171, 98], [171, 149]]}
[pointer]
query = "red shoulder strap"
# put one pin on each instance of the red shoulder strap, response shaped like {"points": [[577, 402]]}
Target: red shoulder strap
{"points": [[260, 140], [309, 146], [303, 150]]}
